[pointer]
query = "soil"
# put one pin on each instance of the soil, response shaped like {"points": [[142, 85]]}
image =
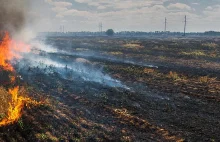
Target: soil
{"points": [[173, 93]]}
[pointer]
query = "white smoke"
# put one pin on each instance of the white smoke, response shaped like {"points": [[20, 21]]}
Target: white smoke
{"points": [[70, 70]]}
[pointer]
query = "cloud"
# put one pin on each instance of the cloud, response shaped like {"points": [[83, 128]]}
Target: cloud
{"points": [[62, 9], [121, 4], [179, 6], [131, 14], [101, 7], [59, 9], [212, 13], [209, 8], [62, 4], [59, 3], [117, 10]]}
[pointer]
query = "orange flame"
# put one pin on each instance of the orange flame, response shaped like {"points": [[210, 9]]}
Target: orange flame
{"points": [[5, 54], [16, 106], [9, 50]]}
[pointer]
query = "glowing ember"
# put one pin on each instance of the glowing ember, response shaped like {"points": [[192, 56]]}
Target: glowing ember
{"points": [[9, 50]]}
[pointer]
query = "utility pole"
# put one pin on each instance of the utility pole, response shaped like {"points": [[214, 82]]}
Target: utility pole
{"points": [[165, 25], [100, 27], [185, 26], [61, 29]]}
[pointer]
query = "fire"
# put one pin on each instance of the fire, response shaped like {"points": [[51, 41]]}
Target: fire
{"points": [[16, 106], [5, 54], [9, 50]]}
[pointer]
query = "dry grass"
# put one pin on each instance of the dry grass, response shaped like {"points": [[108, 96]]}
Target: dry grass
{"points": [[194, 53], [173, 75], [149, 71], [81, 49], [210, 45], [143, 124], [4, 99], [213, 54], [133, 46], [206, 79], [116, 53]]}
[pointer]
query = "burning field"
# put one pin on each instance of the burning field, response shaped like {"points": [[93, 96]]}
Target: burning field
{"points": [[104, 88], [11, 106], [109, 89]]}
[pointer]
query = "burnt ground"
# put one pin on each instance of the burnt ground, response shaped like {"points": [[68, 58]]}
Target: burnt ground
{"points": [[175, 99]]}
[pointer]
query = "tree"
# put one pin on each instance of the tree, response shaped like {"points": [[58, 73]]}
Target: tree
{"points": [[110, 32]]}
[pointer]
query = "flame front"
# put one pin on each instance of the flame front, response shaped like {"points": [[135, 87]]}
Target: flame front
{"points": [[5, 54], [16, 106], [9, 50]]}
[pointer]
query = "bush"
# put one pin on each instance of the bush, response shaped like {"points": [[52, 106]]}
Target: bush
{"points": [[110, 32]]}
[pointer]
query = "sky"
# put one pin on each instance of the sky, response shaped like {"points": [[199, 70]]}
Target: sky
{"points": [[125, 15]]}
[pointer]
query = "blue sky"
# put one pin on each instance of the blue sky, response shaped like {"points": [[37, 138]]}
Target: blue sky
{"points": [[120, 15]]}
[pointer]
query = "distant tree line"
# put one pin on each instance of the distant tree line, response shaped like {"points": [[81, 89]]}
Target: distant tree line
{"points": [[110, 32], [212, 33]]}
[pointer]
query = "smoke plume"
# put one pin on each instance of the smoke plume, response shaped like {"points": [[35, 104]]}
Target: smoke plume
{"points": [[12, 15]]}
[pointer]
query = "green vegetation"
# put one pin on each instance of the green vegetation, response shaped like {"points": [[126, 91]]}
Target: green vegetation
{"points": [[110, 32]]}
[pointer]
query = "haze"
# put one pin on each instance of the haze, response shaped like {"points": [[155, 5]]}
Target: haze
{"points": [[129, 15]]}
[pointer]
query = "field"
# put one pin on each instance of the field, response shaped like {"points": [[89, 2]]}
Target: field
{"points": [[119, 89]]}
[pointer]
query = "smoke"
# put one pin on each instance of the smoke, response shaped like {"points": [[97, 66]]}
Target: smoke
{"points": [[70, 70], [15, 18], [13, 15]]}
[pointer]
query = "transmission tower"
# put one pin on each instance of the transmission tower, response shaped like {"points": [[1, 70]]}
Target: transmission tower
{"points": [[185, 26], [100, 27], [165, 28]]}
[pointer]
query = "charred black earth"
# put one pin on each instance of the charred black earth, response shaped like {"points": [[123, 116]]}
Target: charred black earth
{"points": [[117, 89]]}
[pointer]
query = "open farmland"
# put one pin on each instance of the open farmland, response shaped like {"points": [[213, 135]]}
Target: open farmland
{"points": [[119, 89]]}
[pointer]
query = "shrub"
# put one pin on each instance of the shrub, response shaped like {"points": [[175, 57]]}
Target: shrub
{"points": [[110, 32]]}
